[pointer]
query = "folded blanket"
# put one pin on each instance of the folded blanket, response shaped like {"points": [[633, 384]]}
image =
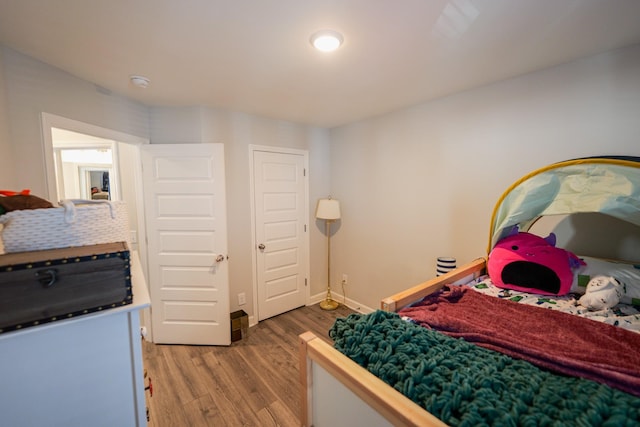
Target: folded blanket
{"points": [[557, 341], [465, 385]]}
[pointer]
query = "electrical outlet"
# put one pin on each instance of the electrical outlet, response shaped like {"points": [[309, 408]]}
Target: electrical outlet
{"points": [[345, 279], [242, 298]]}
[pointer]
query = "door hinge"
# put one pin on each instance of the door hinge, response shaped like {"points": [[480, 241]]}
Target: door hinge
{"points": [[305, 281], [304, 172], [305, 228]]}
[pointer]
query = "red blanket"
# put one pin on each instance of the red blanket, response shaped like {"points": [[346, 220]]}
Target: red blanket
{"points": [[550, 339]]}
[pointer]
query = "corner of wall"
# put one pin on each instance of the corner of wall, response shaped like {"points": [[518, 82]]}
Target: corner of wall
{"points": [[7, 175]]}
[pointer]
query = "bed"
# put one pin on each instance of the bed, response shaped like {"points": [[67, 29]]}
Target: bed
{"points": [[440, 359]]}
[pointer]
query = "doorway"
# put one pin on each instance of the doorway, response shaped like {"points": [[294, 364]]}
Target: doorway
{"points": [[86, 167], [75, 150]]}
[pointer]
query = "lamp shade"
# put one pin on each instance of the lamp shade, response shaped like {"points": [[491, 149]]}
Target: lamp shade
{"points": [[328, 209]]}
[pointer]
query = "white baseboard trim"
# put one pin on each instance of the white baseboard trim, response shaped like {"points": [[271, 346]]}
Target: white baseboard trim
{"points": [[252, 321], [353, 305], [315, 299]]}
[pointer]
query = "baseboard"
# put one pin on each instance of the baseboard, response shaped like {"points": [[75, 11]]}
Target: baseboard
{"points": [[353, 305], [252, 321], [315, 299]]}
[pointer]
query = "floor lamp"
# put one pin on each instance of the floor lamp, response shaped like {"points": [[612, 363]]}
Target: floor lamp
{"points": [[329, 210]]}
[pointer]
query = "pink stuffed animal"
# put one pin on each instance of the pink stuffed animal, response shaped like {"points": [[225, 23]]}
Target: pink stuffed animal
{"points": [[526, 262]]}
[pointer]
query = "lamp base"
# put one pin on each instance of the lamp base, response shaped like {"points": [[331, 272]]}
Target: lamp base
{"points": [[329, 304]]}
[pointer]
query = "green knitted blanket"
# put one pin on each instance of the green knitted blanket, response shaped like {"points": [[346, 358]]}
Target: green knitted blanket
{"points": [[466, 385]]}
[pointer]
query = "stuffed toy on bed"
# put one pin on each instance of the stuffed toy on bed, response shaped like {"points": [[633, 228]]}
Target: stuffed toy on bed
{"points": [[529, 263], [602, 292]]}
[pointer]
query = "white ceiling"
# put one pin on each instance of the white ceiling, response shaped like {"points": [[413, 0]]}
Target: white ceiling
{"points": [[254, 55]]}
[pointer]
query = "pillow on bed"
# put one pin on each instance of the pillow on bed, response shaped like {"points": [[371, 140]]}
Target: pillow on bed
{"points": [[628, 274]]}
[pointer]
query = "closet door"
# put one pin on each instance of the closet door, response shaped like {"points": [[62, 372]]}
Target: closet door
{"points": [[280, 202]]}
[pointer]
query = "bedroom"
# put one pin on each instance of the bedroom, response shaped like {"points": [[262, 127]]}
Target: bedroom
{"points": [[415, 184]]}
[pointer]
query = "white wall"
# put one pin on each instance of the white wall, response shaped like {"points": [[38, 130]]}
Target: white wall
{"points": [[33, 87], [423, 182], [7, 174]]}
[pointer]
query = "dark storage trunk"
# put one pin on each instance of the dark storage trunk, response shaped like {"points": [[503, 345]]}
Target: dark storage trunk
{"points": [[44, 286]]}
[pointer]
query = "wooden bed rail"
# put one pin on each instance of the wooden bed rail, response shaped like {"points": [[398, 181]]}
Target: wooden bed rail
{"points": [[390, 405], [393, 406], [402, 299]]}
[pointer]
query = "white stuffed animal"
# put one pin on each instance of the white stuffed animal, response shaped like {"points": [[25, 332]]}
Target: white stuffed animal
{"points": [[602, 292]]}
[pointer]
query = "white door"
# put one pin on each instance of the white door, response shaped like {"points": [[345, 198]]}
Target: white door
{"points": [[281, 231], [185, 209]]}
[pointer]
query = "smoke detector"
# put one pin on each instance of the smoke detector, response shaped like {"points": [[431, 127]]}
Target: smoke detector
{"points": [[139, 81]]}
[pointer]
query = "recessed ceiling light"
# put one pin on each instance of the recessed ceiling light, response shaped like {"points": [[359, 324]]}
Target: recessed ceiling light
{"points": [[326, 40], [140, 81]]}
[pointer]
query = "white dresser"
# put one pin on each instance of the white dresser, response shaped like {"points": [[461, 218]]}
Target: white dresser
{"points": [[85, 371]]}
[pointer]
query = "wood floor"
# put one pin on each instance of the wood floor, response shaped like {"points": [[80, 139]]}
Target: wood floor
{"points": [[254, 382]]}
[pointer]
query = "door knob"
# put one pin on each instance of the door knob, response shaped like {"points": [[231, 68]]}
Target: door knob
{"points": [[261, 246], [220, 258]]}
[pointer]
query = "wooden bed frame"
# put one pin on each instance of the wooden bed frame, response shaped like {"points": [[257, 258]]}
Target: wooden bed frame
{"points": [[337, 391]]}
